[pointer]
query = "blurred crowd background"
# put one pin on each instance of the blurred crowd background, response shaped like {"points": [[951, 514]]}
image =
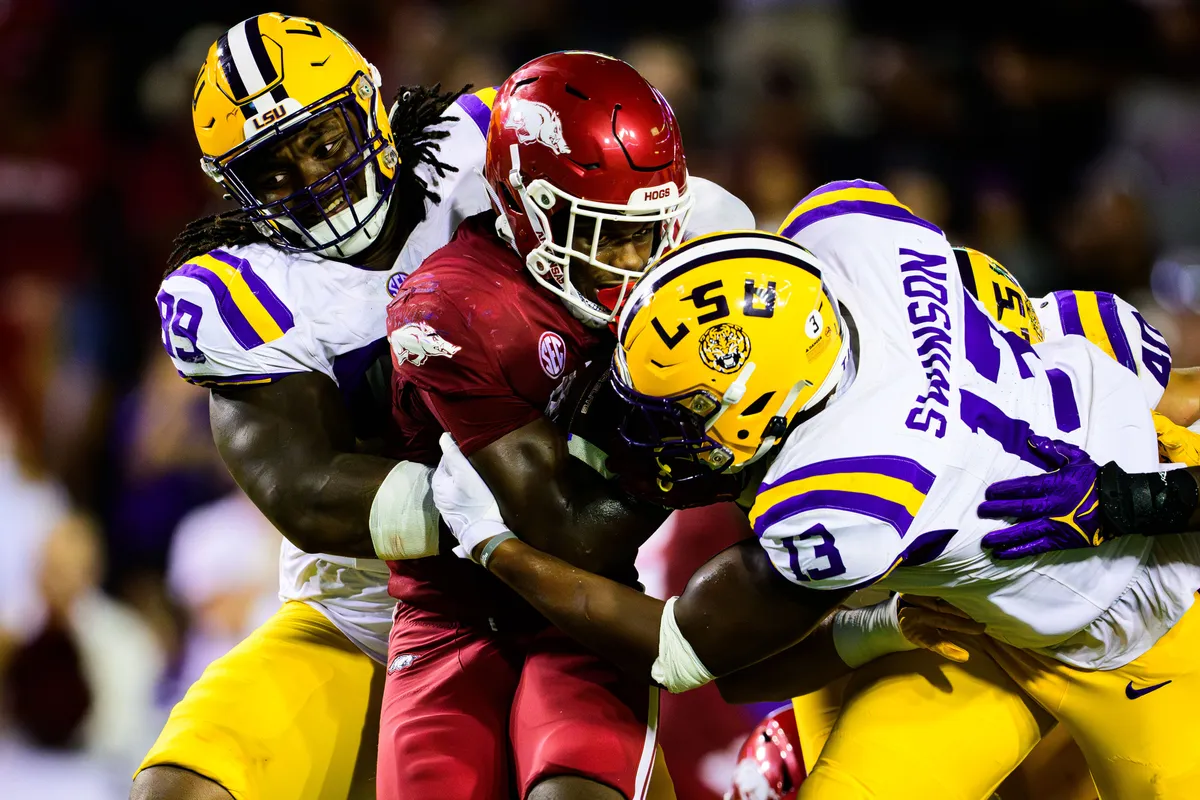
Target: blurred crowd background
{"points": [[1062, 137]]}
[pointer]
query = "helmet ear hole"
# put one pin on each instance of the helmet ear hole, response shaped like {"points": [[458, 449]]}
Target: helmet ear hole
{"points": [[509, 200], [757, 406]]}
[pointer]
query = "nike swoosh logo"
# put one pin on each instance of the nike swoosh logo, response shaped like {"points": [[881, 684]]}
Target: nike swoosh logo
{"points": [[1134, 694]]}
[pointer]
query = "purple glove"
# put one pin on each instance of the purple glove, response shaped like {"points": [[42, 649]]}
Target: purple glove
{"points": [[1056, 511]]}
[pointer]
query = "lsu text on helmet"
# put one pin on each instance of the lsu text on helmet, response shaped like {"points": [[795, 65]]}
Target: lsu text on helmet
{"points": [[770, 765], [722, 344], [580, 143], [274, 87]]}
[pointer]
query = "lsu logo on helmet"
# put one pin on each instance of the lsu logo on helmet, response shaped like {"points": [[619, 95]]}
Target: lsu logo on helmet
{"points": [[274, 78], [708, 355], [724, 347]]}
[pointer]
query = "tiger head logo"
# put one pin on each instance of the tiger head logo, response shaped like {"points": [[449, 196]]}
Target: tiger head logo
{"points": [[724, 348]]}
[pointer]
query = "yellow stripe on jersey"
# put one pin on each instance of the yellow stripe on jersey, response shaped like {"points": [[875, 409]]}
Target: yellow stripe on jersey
{"points": [[201, 381], [849, 197], [887, 488], [1096, 316], [1093, 325], [243, 298], [488, 95], [814, 201]]}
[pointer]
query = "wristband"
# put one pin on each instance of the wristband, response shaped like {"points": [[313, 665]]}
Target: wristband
{"points": [[485, 555], [1148, 504], [864, 634]]}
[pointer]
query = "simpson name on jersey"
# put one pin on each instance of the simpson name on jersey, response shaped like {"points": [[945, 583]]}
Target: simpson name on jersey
{"points": [[937, 403]]}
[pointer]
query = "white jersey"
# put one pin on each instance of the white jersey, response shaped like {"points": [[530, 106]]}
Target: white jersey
{"points": [[1116, 327], [938, 403], [254, 314]]}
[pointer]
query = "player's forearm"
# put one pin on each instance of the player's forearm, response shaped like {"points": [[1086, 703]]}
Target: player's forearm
{"points": [[807, 666], [558, 504], [322, 507], [615, 621]]}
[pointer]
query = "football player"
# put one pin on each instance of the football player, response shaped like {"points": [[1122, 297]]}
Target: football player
{"points": [[859, 492], [589, 182], [279, 309]]}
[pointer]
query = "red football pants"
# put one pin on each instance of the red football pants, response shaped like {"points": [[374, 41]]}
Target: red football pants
{"points": [[471, 714]]}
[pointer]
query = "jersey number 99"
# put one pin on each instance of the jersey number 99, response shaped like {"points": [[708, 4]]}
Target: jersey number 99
{"points": [[180, 320]]}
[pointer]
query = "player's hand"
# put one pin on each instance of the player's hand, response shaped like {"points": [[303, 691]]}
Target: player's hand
{"points": [[925, 621], [465, 501], [1056, 511], [1176, 444]]}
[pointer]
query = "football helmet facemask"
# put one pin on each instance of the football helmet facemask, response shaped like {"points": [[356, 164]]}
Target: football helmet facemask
{"points": [[273, 85]]}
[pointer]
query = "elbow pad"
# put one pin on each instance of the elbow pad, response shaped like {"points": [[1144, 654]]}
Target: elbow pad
{"points": [[404, 520], [677, 668]]}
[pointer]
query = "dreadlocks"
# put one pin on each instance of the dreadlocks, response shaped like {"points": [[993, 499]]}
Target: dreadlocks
{"points": [[417, 110]]}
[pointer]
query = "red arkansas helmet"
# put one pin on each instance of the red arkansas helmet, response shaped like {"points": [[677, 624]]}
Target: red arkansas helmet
{"points": [[583, 135], [770, 765]]}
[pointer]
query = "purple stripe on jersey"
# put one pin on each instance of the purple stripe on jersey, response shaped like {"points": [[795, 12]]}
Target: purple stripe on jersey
{"points": [[1115, 332], [927, 547], [856, 207], [1066, 412], [1068, 312], [838, 186], [233, 380], [868, 505], [243, 332], [981, 350], [477, 110], [892, 466], [259, 288], [854, 587], [1013, 434]]}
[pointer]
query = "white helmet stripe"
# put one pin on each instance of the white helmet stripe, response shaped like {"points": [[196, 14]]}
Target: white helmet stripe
{"points": [[243, 57]]}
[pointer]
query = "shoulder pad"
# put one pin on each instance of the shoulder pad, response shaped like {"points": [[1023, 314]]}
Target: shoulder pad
{"points": [[223, 324], [849, 197]]}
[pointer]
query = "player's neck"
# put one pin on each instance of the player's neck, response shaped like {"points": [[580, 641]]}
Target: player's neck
{"points": [[400, 221]]}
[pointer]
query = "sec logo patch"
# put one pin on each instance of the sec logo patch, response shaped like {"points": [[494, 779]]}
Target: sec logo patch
{"points": [[552, 353], [393, 284]]}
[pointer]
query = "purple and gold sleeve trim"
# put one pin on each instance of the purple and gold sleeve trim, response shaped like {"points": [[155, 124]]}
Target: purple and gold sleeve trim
{"points": [[251, 311], [887, 488], [243, 379], [479, 107], [849, 197], [1094, 315]]}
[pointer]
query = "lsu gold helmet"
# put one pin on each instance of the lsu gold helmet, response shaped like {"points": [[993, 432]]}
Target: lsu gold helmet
{"points": [[722, 344], [274, 86], [999, 292]]}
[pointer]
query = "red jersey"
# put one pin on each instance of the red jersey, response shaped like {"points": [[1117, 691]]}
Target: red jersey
{"points": [[479, 350]]}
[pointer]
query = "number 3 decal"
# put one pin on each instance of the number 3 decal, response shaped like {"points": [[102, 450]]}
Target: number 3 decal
{"points": [[180, 320]]}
